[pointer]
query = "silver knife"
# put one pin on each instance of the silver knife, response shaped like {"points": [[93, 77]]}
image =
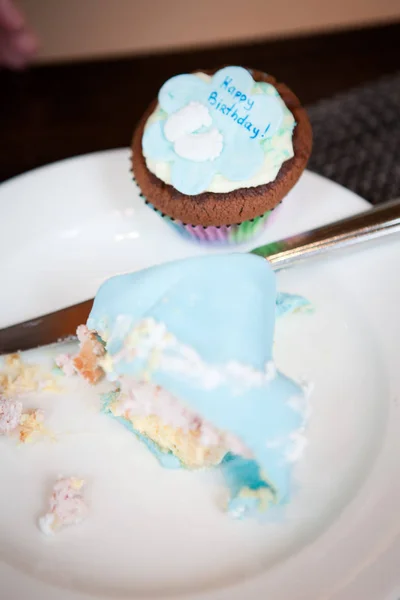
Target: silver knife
{"points": [[369, 225]]}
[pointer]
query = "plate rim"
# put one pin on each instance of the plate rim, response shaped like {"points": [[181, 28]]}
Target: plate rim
{"points": [[238, 591]]}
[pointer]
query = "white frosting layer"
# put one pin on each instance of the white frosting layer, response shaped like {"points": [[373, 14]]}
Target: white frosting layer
{"points": [[187, 120], [179, 129], [152, 340], [277, 149], [200, 146]]}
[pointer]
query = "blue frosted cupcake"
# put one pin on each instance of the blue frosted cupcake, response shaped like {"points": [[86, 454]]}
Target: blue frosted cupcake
{"points": [[217, 152]]}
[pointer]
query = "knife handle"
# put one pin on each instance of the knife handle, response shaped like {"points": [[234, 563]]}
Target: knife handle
{"points": [[369, 225]]}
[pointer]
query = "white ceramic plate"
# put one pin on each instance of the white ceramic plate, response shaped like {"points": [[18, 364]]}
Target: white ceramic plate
{"points": [[154, 533]]}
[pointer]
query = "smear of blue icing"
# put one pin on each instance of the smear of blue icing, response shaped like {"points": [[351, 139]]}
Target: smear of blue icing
{"points": [[224, 308], [239, 471], [242, 473], [289, 303]]}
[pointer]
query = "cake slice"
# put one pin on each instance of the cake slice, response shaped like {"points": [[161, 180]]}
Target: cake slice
{"points": [[188, 345]]}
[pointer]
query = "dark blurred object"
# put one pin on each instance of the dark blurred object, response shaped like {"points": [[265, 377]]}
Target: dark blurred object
{"points": [[18, 43], [53, 112], [357, 139]]}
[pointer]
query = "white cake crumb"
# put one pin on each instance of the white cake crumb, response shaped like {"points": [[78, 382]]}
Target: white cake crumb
{"points": [[65, 363], [67, 506], [299, 442], [31, 425], [18, 377]]}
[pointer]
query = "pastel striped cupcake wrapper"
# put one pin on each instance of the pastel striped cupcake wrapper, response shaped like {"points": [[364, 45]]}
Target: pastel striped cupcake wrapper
{"points": [[226, 234]]}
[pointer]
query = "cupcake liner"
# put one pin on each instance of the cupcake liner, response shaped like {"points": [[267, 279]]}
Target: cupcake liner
{"points": [[224, 234]]}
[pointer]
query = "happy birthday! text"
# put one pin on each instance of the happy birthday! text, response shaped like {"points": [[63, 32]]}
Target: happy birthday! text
{"points": [[239, 111]]}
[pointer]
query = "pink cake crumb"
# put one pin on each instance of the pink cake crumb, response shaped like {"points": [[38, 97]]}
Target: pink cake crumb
{"points": [[67, 506], [10, 415]]}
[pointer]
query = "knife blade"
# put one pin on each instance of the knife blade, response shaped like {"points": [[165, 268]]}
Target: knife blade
{"points": [[369, 225], [44, 330]]}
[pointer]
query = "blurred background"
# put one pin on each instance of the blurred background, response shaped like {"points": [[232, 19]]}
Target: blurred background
{"points": [[80, 29], [87, 69]]}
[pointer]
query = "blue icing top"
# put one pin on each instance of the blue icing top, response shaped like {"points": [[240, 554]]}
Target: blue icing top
{"points": [[213, 127], [223, 308]]}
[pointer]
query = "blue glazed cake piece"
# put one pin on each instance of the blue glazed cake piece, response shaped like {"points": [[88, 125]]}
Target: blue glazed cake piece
{"points": [[189, 347]]}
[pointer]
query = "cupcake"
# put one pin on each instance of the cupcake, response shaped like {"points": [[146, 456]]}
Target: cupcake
{"points": [[218, 151], [189, 354]]}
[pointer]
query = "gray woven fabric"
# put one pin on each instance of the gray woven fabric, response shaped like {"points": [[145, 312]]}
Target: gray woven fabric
{"points": [[357, 139]]}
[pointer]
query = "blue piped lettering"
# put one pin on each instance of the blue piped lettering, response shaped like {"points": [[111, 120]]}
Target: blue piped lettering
{"points": [[235, 115], [255, 133], [212, 98], [216, 100]]}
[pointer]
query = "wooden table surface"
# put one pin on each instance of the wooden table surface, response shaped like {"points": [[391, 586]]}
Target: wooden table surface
{"points": [[52, 112]]}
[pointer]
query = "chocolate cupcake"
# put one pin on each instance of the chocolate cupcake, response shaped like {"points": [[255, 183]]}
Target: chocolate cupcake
{"points": [[219, 151]]}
